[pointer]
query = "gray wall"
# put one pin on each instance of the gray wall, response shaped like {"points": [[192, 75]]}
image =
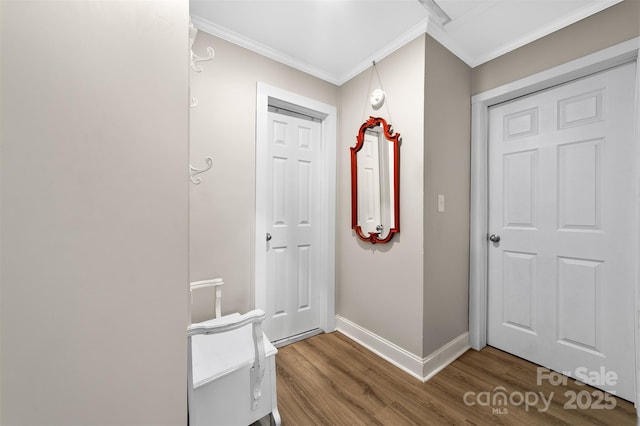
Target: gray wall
{"points": [[396, 290], [611, 26], [379, 287], [93, 156], [414, 291], [222, 217], [447, 129], [94, 199]]}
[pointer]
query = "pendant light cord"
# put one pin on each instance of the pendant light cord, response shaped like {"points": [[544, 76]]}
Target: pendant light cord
{"points": [[386, 100], [366, 98]]}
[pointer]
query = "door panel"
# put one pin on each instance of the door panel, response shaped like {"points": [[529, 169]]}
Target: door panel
{"points": [[561, 199], [519, 290], [520, 193], [292, 262], [580, 183]]}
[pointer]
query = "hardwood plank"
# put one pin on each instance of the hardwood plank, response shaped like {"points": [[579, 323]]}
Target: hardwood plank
{"points": [[330, 380]]}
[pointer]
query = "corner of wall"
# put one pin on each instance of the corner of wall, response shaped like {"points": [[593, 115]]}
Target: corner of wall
{"points": [[422, 368], [389, 276], [447, 160]]}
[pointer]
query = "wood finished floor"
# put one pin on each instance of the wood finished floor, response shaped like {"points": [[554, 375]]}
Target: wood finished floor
{"points": [[331, 380]]}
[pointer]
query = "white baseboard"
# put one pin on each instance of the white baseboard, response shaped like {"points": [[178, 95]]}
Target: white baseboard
{"points": [[445, 355], [421, 368]]}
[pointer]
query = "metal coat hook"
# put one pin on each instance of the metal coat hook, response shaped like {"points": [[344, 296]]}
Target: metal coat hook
{"points": [[195, 59], [193, 32], [194, 171]]}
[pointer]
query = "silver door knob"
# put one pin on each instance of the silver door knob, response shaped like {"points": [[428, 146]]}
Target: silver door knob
{"points": [[268, 236], [494, 238]]}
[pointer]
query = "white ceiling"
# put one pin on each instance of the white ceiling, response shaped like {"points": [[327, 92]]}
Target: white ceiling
{"points": [[337, 39]]}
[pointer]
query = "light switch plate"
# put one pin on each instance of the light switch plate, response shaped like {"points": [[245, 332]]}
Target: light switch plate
{"points": [[440, 203]]}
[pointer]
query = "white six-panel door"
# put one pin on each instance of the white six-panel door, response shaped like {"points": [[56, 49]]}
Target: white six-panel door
{"points": [[293, 216], [561, 202]]}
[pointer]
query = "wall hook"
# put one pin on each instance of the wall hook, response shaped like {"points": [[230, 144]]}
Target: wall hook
{"points": [[193, 32], [194, 171], [195, 59]]}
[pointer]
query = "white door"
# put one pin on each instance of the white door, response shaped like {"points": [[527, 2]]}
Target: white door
{"points": [[561, 202], [293, 176]]}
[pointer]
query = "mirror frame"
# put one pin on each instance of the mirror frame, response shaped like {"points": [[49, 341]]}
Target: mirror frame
{"points": [[394, 139]]}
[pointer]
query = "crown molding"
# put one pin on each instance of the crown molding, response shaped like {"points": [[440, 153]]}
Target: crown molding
{"points": [[259, 48], [242, 41], [441, 36], [432, 25], [543, 31], [440, 33], [407, 37]]}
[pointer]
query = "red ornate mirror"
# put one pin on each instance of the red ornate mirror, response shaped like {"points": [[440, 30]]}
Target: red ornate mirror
{"points": [[375, 182]]}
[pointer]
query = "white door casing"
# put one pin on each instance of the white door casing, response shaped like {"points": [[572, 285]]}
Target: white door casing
{"points": [[324, 254], [560, 197], [598, 61]]}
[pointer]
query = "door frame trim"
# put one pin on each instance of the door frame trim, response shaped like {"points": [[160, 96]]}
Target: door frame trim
{"points": [[478, 267], [328, 115]]}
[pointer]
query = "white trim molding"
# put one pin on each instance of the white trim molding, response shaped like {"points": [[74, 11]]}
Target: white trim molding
{"points": [[445, 355], [405, 38], [478, 269], [278, 56], [443, 34], [421, 368], [328, 114], [259, 48]]}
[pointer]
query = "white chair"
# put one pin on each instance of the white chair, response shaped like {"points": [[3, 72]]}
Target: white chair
{"points": [[231, 377], [215, 283]]}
